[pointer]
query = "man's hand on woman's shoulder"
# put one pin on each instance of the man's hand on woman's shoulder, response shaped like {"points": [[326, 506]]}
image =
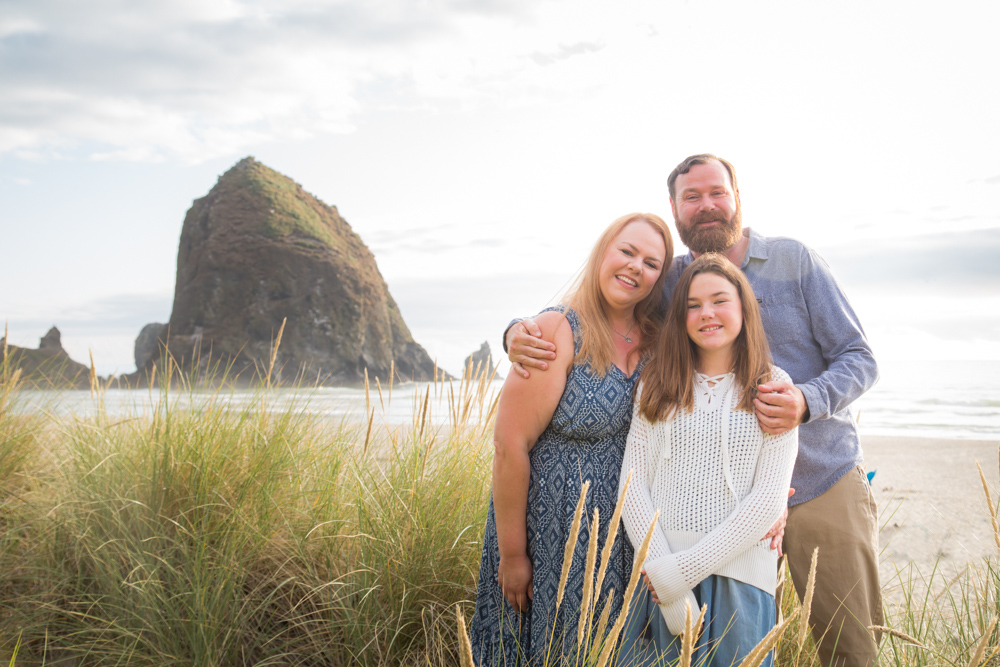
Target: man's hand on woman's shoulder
{"points": [[527, 349]]}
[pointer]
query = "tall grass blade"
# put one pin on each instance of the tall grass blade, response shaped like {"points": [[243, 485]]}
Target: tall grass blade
{"points": [[588, 580], [992, 507], [602, 625], [368, 395], [807, 599], [616, 629], [17, 647], [574, 533], [93, 375], [464, 645], [977, 657], [897, 634], [569, 549], [687, 639], [423, 411], [368, 433], [612, 533], [760, 651], [274, 352]]}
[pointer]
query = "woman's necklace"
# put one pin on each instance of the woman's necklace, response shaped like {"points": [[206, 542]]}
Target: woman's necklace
{"points": [[624, 335]]}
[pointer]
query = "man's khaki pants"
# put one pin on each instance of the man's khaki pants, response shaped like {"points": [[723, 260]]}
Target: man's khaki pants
{"points": [[843, 523]]}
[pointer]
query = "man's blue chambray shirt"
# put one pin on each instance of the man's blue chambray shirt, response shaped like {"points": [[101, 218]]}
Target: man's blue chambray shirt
{"points": [[816, 337]]}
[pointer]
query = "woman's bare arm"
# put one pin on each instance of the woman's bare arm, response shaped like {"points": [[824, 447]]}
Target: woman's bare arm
{"points": [[525, 410]]}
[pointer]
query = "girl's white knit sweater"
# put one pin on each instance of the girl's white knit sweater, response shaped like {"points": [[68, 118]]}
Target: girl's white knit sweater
{"points": [[719, 482]]}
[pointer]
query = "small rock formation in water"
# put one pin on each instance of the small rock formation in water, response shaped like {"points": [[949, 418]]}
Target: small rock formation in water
{"points": [[146, 346], [479, 360], [48, 367], [258, 250]]}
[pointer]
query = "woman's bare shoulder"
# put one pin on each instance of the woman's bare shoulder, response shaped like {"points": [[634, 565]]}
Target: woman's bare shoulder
{"points": [[554, 325], [557, 330], [551, 322]]}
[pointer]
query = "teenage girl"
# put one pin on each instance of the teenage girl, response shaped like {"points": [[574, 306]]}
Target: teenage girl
{"points": [[700, 458]]}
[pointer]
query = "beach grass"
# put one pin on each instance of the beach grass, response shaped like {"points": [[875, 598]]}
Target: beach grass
{"points": [[213, 531], [217, 534]]}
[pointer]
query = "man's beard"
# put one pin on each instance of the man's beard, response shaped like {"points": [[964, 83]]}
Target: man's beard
{"points": [[712, 239]]}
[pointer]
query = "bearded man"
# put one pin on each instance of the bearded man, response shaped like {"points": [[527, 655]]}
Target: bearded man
{"points": [[815, 336]]}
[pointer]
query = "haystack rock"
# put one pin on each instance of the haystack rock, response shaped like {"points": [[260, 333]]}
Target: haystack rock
{"points": [[48, 367], [258, 249], [481, 360]]}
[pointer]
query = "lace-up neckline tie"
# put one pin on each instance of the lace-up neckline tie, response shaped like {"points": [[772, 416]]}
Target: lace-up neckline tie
{"points": [[709, 387]]}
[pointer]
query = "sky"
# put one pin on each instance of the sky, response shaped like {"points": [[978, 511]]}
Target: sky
{"points": [[479, 148]]}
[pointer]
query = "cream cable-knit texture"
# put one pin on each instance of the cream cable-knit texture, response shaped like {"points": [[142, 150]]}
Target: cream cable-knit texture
{"points": [[719, 482]]}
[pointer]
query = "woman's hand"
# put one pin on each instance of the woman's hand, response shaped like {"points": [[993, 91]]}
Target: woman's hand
{"points": [[649, 586], [777, 532], [526, 347], [687, 599], [514, 575]]}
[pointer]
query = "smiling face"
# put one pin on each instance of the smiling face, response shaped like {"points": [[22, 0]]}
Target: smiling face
{"points": [[631, 264], [714, 317], [707, 209]]}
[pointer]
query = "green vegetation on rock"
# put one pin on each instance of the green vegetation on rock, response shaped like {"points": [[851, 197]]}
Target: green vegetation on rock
{"points": [[288, 212]]}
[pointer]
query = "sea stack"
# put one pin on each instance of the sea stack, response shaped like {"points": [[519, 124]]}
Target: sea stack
{"points": [[481, 361], [257, 250], [48, 367]]}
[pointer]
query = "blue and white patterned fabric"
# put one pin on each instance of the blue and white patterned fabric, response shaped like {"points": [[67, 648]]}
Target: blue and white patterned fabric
{"points": [[584, 441]]}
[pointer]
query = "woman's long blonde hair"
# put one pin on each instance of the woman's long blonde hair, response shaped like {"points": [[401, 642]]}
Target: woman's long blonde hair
{"points": [[667, 379], [597, 338]]}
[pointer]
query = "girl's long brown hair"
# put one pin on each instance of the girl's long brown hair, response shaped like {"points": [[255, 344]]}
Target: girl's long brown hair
{"points": [[667, 380], [597, 339]]}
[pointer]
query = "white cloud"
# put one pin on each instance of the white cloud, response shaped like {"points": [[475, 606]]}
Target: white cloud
{"points": [[194, 80], [18, 26]]}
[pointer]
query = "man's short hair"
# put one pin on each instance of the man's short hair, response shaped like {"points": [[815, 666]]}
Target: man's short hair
{"points": [[702, 158]]}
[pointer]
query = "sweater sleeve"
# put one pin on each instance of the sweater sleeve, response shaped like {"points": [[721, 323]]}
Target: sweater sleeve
{"points": [[672, 574], [642, 453]]}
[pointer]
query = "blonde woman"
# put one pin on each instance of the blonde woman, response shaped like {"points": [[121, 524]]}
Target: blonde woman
{"points": [[557, 430]]}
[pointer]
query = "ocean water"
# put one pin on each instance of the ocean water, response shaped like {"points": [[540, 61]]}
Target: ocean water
{"points": [[444, 402], [935, 399]]}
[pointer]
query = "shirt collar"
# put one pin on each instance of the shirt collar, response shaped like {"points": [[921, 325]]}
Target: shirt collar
{"points": [[757, 248]]}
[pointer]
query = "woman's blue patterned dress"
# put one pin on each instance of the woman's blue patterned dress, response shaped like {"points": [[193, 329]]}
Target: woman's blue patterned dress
{"points": [[584, 441]]}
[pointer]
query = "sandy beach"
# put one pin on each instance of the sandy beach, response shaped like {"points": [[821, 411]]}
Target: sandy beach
{"points": [[931, 502]]}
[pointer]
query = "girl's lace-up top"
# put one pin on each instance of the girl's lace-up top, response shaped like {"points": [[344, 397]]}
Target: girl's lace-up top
{"points": [[719, 482]]}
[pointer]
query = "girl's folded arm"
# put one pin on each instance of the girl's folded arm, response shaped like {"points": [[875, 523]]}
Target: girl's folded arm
{"points": [[641, 457], [743, 528]]}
